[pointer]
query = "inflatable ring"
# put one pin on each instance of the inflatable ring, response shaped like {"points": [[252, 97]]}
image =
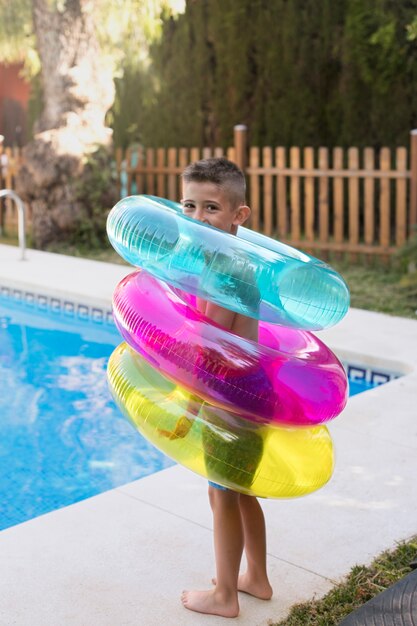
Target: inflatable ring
{"points": [[247, 273], [288, 376], [273, 461]]}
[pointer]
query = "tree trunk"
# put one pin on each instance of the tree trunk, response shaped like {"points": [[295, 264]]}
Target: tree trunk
{"points": [[77, 91]]}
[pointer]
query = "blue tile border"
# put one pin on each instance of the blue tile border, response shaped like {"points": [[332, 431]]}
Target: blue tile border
{"points": [[61, 306], [371, 375]]}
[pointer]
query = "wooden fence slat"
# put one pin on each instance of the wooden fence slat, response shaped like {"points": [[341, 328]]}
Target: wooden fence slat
{"points": [[281, 194], [384, 199], [338, 200], [239, 142], [194, 154], [323, 196], [172, 178], [295, 194], [309, 196], [401, 199], [267, 192], [218, 152], [139, 172], [160, 178], [369, 198], [150, 179], [183, 162], [230, 154], [254, 189], [206, 153], [353, 202]]}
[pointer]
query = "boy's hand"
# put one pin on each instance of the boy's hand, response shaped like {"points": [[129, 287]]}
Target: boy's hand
{"points": [[181, 429]]}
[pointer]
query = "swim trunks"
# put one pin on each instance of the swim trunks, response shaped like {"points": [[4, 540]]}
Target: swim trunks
{"points": [[216, 486], [233, 448]]}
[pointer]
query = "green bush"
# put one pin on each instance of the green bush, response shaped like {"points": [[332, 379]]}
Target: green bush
{"points": [[406, 257], [96, 190]]}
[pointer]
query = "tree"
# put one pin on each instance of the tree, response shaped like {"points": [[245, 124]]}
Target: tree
{"points": [[379, 104], [76, 76], [296, 72], [77, 91]]}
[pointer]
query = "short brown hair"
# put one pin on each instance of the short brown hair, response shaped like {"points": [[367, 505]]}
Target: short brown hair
{"points": [[219, 171]]}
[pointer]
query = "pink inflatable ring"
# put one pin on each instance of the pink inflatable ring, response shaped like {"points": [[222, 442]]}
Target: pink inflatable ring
{"points": [[288, 377]]}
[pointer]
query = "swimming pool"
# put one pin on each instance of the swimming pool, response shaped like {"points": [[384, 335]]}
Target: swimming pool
{"points": [[62, 439]]}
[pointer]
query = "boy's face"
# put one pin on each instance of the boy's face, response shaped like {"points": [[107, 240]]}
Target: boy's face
{"points": [[210, 204]]}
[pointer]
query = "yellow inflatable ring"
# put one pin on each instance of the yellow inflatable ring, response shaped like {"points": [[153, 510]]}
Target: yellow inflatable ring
{"points": [[270, 462]]}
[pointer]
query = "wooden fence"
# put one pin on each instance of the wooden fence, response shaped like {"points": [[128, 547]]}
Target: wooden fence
{"points": [[341, 200]]}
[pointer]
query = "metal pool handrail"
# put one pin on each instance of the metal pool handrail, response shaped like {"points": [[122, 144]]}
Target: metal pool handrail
{"points": [[21, 211]]}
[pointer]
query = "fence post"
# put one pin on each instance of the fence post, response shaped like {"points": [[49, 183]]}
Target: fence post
{"points": [[413, 181], [240, 132]]}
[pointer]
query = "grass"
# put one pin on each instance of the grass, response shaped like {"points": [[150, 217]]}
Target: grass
{"points": [[386, 290], [361, 585]]}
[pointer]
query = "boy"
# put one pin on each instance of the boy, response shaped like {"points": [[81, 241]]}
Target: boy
{"points": [[214, 193]]}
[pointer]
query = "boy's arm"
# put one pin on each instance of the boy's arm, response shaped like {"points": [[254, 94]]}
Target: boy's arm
{"points": [[219, 315], [185, 422], [222, 317]]}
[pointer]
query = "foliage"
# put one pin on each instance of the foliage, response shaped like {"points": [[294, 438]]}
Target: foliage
{"points": [[16, 36], [128, 115], [362, 584], [96, 190], [380, 58], [298, 72], [125, 29]]}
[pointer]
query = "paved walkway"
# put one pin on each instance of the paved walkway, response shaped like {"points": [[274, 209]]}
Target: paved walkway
{"points": [[123, 557]]}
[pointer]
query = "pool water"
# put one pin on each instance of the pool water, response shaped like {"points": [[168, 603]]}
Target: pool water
{"points": [[62, 438], [359, 386]]}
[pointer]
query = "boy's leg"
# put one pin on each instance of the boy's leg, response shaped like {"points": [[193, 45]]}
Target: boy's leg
{"points": [[255, 580], [228, 548]]}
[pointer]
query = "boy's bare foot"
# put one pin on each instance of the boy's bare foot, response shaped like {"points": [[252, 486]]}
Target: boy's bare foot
{"points": [[210, 602], [254, 587]]}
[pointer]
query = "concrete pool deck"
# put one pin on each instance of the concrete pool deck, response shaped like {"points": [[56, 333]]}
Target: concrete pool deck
{"points": [[122, 558]]}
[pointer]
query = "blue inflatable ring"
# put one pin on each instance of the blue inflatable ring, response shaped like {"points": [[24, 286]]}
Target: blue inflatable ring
{"points": [[248, 273]]}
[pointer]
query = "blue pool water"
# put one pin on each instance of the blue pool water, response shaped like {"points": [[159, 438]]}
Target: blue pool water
{"points": [[62, 438], [358, 386]]}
